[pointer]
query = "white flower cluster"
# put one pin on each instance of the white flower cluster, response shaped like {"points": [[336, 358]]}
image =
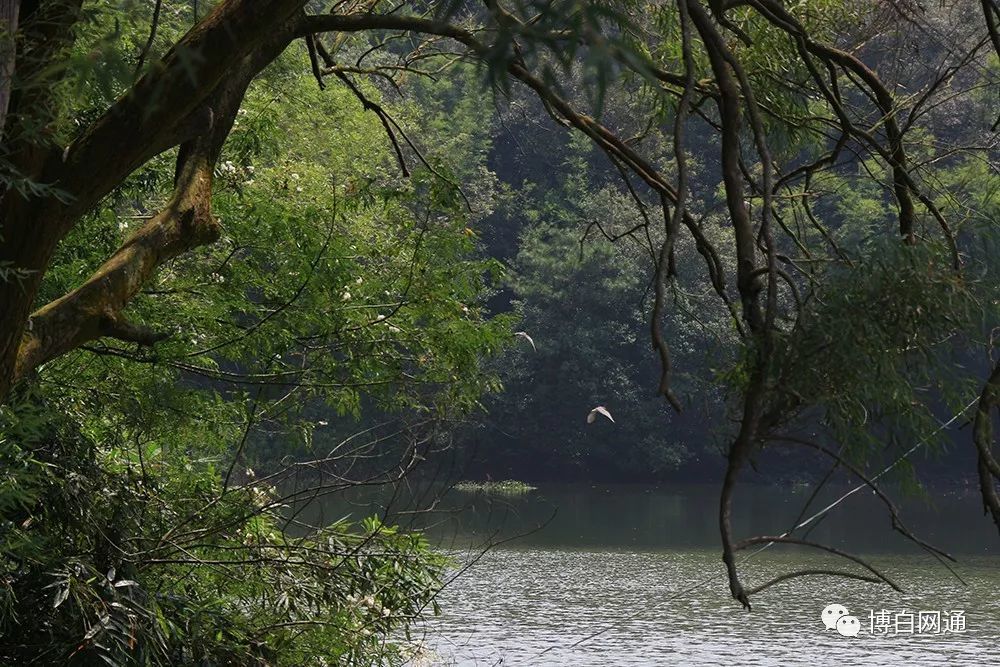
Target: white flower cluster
{"points": [[235, 173], [369, 604], [261, 495]]}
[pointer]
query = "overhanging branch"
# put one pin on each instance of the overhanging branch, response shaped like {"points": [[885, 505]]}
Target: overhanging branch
{"points": [[96, 307]]}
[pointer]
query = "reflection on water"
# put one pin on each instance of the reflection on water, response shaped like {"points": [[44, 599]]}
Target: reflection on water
{"points": [[631, 575], [647, 518]]}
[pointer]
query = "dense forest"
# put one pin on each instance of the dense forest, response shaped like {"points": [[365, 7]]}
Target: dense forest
{"points": [[259, 252]]}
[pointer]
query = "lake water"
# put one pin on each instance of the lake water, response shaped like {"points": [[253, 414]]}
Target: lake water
{"points": [[631, 575]]}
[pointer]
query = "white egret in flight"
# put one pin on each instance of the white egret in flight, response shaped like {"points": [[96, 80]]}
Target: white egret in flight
{"points": [[599, 410], [525, 336]]}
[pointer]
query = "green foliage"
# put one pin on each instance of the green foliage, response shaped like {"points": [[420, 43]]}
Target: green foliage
{"points": [[870, 348], [344, 295], [341, 294], [93, 567]]}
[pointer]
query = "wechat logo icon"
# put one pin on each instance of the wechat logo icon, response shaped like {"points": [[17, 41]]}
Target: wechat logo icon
{"points": [[836, 617]]}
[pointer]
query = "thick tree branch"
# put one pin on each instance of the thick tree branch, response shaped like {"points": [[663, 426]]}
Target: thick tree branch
{"points": [[730, 105], [152, 115], [904, 185], [95, 308], [121, 329], [672, 223], [982, 434], [730, 111]]}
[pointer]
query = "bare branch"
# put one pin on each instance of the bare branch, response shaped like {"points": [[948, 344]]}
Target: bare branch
{"points": [[811, 573], [781, 539]]}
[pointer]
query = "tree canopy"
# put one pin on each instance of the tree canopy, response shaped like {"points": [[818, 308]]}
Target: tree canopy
{"points": [[220, 223]]}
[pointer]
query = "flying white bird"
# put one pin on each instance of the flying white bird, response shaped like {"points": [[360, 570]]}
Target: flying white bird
{"points": [[525, 336], [599, 410]]}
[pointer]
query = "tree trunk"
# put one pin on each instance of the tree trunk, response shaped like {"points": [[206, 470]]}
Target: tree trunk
{"points": [[235, 41], [25, 251], [9, 10]]}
